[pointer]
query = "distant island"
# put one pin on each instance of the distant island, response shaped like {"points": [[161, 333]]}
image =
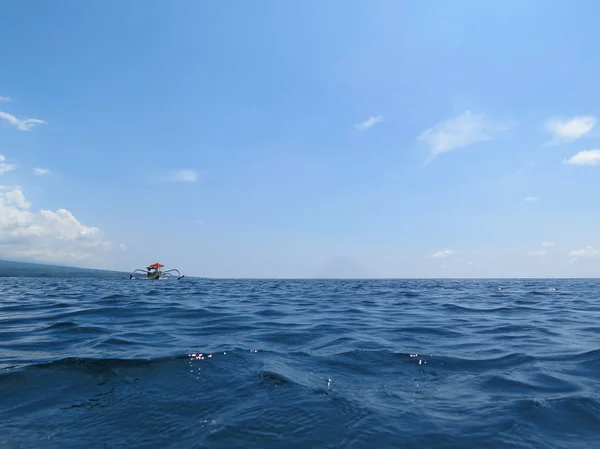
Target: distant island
{"points": [[30, 269]]}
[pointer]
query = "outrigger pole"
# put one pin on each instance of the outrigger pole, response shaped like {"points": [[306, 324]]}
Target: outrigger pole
{"points": [[154, 272]]}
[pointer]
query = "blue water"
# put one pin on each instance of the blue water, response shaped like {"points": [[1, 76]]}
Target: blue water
{"points": [[198, 363]]}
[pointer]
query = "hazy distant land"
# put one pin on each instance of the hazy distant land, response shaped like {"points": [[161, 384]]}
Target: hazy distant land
{"points": [[28, 269]]}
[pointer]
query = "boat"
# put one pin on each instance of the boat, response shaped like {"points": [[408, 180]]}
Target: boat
{"points": [[154, 272]]}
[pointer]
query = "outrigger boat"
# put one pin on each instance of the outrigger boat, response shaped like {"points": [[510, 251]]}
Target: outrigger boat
{"points": [[154, 272]]}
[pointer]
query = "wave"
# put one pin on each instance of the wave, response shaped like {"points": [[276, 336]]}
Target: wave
{"points": [[218, 363]]}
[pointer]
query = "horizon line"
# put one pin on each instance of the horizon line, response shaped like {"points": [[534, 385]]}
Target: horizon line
{"points": [[309, 278]]}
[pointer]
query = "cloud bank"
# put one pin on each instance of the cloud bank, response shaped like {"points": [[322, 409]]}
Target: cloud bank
{"points": [[45, 235]]}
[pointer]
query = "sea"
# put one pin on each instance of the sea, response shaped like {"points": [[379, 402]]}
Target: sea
{"points": [[217, 363]]}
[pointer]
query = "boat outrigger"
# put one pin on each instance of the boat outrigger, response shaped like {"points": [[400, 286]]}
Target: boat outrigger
{"points": [[154, 272]]}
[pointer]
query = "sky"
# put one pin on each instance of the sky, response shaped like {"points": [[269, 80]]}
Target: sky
{"points": [[302, 139]]}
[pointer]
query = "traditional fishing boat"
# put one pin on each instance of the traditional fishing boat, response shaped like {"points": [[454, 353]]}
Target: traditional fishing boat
{"points": [[154, 272]]}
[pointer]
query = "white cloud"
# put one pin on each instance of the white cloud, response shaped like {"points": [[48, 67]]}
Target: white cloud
{"points": [[182, 176], [370, 122], [568, 130], [530, 199], [15, 197], [5, 99], [45, 235], [123, 247], [466, 129], [541, 252], [442, 254], [21, 124], [41, 171], [4, 167], [587, 251], [537, 253], [587, 157]]}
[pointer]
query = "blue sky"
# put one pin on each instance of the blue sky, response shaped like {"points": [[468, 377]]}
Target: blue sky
{"points": [[302, 139]]}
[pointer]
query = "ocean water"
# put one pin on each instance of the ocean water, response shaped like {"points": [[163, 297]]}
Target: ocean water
{"points": [[196, 363]]}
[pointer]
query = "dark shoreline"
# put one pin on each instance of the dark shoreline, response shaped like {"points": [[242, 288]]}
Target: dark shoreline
{"points": [[32, 269]]}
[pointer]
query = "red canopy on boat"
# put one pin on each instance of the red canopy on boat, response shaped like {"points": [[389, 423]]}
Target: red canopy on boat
{"points": [[155, 266]]}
